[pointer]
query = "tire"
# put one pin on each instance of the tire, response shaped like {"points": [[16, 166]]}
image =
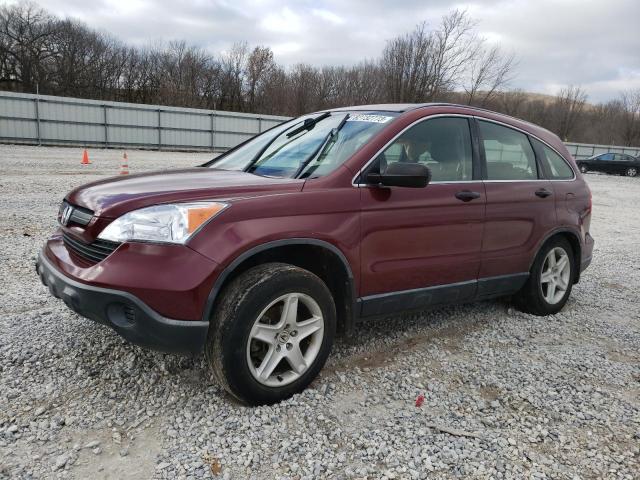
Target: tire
{"points": [[584, 168], [631, 172], [536, 296], [250, 363]]}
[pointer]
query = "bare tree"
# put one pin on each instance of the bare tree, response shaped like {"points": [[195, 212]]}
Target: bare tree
{"points": [[511, 102], [27, 45], [233, 64], [275, 94], [567, 109], [302, 80], [630, 102], [360, 84], [456, 45], [490, 70], [424, 65], [260, 64], [601, 124], [407, 67]]}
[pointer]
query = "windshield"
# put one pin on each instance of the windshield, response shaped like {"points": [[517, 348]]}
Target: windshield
{"points": [[306, 147]]}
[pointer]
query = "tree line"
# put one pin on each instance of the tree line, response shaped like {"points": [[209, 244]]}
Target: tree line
{"points": [[446, 62]]}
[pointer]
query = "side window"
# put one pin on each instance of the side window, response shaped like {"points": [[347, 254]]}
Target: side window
{"points": [[606, 156], [556, 165], [508, 152], [443, 144]]}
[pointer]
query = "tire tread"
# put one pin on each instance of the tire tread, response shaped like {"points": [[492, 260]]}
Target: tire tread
{"points": [[227, 312], [529, 299]]}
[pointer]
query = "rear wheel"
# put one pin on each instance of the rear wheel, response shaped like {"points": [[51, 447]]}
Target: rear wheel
{"points": [[584, 168], [271, 333], [550, 280], [631, 172]]}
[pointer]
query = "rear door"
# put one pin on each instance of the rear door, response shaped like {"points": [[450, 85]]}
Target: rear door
{"points": [[421, 246], [572, 198], [625, 162], [520, 208], [604, 162], [617, 166]]}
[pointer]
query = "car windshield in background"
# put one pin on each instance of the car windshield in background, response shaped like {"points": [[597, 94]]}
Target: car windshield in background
{"points": [[307, 147]]}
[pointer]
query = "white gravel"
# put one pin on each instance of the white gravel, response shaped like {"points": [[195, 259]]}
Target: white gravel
{"points": [[507, 395]]}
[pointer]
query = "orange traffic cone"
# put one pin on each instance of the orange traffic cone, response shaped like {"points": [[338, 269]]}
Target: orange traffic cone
{"points": [[85, 158], [124, 168]]}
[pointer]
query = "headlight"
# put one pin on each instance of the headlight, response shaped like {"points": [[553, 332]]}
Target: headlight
{"points": [[173, 223]]}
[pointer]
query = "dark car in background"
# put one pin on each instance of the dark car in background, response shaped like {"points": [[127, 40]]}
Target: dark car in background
{"points": [[618, 163]]}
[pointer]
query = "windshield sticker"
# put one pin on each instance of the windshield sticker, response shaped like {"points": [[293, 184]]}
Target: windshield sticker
{"points": [[369, 118]]}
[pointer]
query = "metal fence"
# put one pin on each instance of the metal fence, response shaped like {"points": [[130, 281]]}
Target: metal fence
{"points": [[586, 150], [49, 120]]}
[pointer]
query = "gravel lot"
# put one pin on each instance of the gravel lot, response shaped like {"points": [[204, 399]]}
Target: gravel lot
{"points": [[507, 395]]}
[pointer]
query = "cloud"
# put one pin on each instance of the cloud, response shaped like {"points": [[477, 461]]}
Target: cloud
{"points": [[284, 22], [328, 16], [590, 43]]}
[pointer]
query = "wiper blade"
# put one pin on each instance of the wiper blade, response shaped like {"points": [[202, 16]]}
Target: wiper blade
{"points": [[308, 124], [318, 151]]}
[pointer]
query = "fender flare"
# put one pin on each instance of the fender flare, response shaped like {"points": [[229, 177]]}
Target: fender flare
{"points": [[556, 231], [217, 285]]}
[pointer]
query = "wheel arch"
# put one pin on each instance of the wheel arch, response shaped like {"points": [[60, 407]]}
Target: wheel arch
{"points": [[318, 256], [574, 240]]}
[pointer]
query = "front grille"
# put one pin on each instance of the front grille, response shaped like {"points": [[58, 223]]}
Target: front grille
{"points": [[78, 215], [91, 252]]}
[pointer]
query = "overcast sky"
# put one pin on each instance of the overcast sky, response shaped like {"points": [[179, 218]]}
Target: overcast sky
{"points": [[594, 44]]}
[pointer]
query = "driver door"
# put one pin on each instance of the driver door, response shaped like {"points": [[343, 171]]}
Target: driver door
{"points": [[422, 246]]}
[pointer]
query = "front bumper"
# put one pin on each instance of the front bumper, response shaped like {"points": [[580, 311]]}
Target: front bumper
{"points": [[125, 313]]}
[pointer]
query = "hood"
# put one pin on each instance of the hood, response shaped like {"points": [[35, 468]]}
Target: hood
{"points": [[115, 196]]}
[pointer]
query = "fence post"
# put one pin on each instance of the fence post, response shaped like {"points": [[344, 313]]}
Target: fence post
{"points": [[37, 105], [106, 126], [259, 125], [213, 131], [159, 130]]}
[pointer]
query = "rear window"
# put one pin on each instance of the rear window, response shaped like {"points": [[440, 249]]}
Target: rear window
{"points": [[557, 166], [508, 152]]}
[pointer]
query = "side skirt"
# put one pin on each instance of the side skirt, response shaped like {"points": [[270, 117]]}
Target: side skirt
{"points": [[502, 285], [429, 297]]}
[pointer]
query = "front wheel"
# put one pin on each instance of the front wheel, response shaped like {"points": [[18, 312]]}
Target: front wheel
{"points": [[550, 279], [271, 333], [631, 172], [584, 168]]}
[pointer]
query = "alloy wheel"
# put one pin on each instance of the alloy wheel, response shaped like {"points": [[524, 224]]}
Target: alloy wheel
{"points": [[285, 339], [556, 275], [632, 172], [584, 169]]}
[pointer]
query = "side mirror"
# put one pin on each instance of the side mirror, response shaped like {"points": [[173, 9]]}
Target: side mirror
{"points": [[402, 174]]}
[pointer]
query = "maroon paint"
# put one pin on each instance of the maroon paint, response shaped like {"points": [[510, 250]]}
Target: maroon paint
{"points": [[172, 279], [516, 221], [115, 196], [419, 237], [394, 239]]}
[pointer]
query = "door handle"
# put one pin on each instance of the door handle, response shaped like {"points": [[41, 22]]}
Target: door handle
{"points": [[467, 196], [543, 193]]}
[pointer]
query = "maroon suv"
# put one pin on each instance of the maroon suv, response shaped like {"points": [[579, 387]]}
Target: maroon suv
{"points": [[260, 256]]}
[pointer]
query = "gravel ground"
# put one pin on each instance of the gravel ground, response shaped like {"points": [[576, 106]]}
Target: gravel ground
{"points": [[507, 395]]}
